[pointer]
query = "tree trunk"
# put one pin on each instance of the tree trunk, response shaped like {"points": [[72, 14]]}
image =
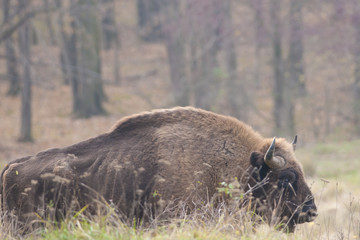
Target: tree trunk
{"points": [[149, 15], [286, 90], [90, 90], [71, 52], [175, 50], [117, 67], [356, 87], [294, 86], [68, 52], [175, 46], [109, 31], [49, 24], [237, 100], [11, 61], [111, 35], [64, 46], [24, 47], [34, 39], [117, 42], [280, 113], [257, 6], [296, 51], [8, 29], [143, 13], [206, 86]]}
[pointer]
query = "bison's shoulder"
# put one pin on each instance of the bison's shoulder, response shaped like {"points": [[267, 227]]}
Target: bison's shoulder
{"points": [[153, 118], [188, 117]]}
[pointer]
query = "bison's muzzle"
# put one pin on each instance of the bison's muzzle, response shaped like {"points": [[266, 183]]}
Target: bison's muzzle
{"points": [[308, 213]]}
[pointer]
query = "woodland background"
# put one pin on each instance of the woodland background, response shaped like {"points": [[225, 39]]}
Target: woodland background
{"points": [[284, 66], [69, 70]]}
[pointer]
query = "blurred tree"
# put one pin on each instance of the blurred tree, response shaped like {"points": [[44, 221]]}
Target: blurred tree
{"points": [[150, 19], [260, 36], [206, 27], [294, 85], [194, 62], [90, 92], [65, 49], [237, 99], [11, 61], [109, 31], [25, 60], [80, 56], [295, 58], [280, 112], [356, 85], [68, 52], [110, 34], [289, 81], [175, 46], [117, 67], [34, 39], [202, 29], [49, 24], [11, 26], [70, 55]]}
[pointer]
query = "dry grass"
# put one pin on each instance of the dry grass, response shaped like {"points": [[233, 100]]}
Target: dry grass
{"points": [[335, 222], [226, 221]]}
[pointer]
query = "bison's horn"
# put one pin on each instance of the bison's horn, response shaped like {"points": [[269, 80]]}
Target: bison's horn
{"points": [[270, 152], [271, 160], [294, 142]]}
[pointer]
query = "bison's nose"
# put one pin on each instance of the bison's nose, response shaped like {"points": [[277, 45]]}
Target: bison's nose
{"points": [[311, 214]]}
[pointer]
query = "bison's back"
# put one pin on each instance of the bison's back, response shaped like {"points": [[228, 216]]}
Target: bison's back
{"points": [[179, 154]]}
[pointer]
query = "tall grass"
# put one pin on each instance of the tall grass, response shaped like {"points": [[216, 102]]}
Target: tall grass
{"points": [[205, 223], [333, 182], [225, 221]]}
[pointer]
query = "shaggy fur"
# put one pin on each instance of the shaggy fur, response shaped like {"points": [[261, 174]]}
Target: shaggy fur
{"points": [[175, 155]]}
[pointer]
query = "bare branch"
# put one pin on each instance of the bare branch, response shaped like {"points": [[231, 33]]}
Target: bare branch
{"points": [[8, 29]]}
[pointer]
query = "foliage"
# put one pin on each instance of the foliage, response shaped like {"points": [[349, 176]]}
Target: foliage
{"points": [[231, 189]]}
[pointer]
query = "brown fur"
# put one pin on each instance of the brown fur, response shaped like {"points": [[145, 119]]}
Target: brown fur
{"points": [[181, 154]]}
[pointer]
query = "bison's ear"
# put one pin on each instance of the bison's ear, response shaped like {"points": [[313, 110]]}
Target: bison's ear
{"points": [[257, 159]]}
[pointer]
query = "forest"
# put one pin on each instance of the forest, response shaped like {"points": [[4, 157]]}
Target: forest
{"points": [[69, 70]]}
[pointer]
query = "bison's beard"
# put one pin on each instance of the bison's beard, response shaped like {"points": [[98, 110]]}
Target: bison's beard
{"points": [[298, 218], [292, 216], [276, 209]]}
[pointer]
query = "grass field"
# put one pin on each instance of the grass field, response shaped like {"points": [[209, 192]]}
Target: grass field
{"points": [[332, 169]]}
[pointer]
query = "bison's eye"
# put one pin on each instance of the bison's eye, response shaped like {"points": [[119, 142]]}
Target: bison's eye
{"points": [[287, 176]]}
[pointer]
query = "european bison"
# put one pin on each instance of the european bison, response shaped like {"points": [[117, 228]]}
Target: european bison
{"points": [[146, 160]]}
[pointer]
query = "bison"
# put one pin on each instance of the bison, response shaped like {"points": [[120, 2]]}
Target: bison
{"points": [[171, 155]]}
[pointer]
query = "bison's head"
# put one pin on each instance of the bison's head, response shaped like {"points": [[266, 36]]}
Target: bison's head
{"points": [[279, 187]]}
